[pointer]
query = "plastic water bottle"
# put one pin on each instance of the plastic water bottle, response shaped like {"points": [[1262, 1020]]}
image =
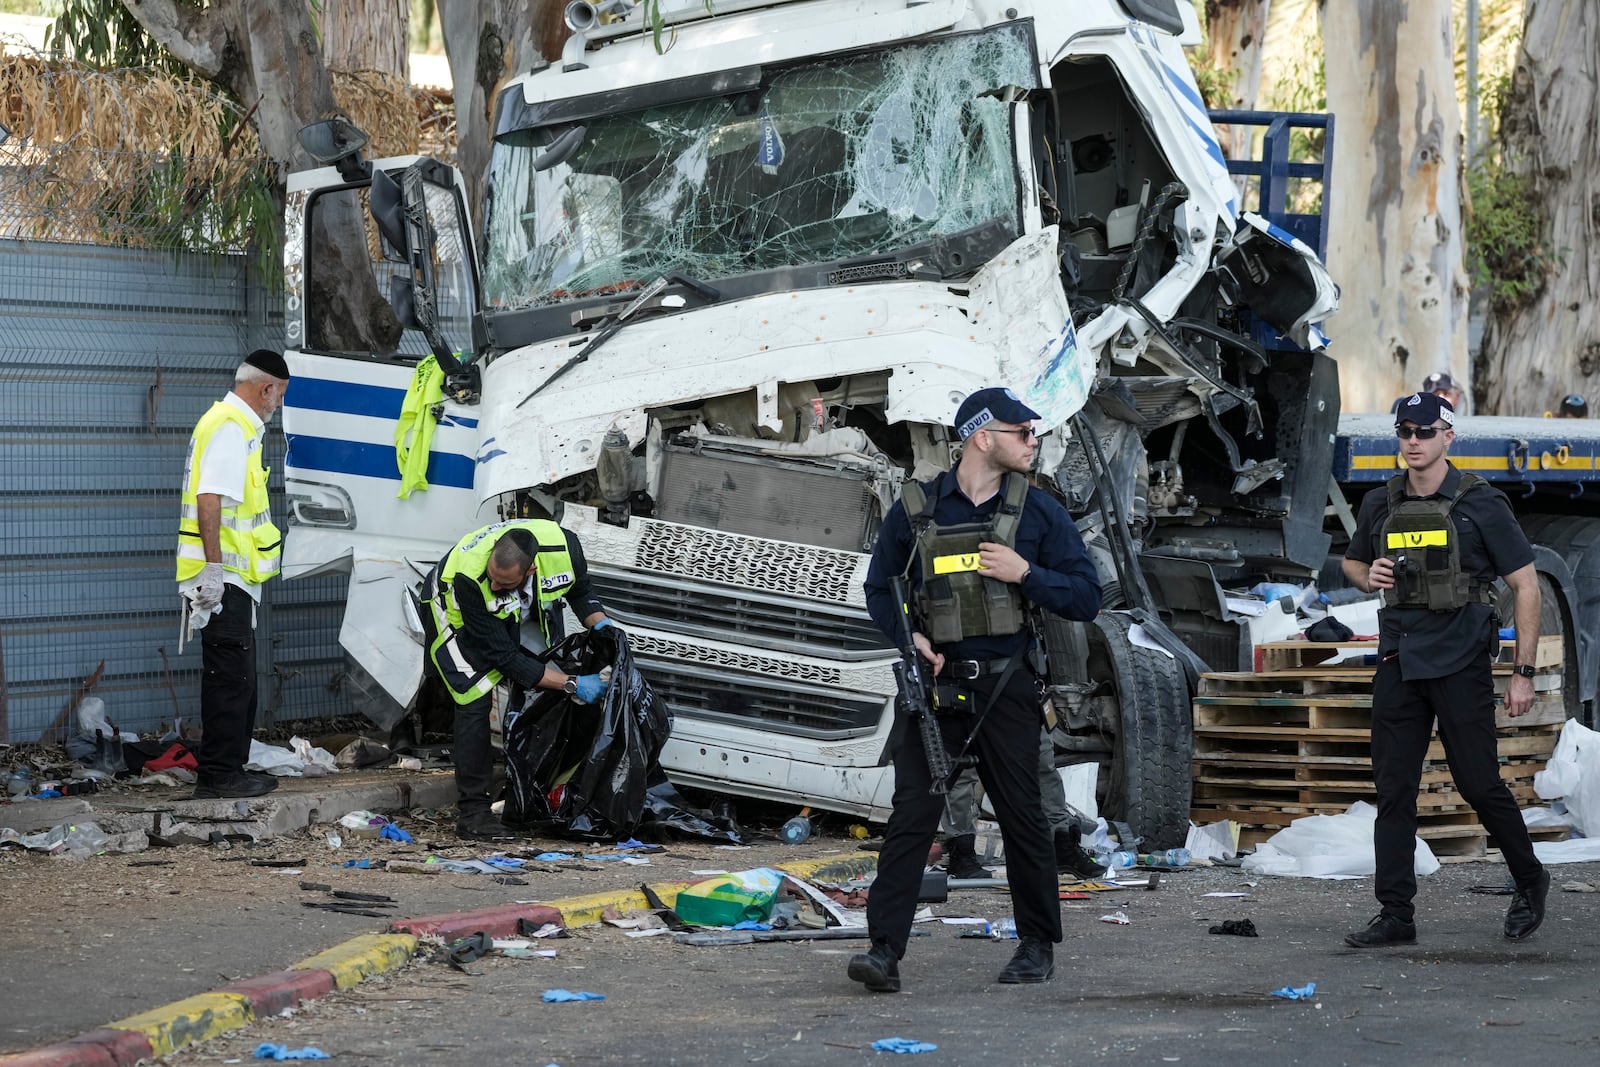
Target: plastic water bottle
{"points": [[1120, 858], [20, 783], [1172, 857], [795, 830]]}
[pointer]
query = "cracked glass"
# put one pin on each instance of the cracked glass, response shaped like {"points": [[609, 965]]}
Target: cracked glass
{"points": [[838, 159]]}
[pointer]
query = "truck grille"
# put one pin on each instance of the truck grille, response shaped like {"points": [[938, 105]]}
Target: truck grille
{"points": [[739, 617], [742, 700]]}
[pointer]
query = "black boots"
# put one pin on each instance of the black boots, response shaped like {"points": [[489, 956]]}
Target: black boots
{"points": [[876, 968], [1034, 961], [1385, 929], [1527, 908], [239, 784], [482, 826], [1071, 857], [961, 858]]}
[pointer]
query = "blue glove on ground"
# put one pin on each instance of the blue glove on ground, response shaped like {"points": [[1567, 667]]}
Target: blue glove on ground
{"points": [[591, 687]]}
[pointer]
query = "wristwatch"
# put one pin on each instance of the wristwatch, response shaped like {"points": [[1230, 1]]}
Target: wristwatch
{"points": [[570, 686], [1524, 669]]}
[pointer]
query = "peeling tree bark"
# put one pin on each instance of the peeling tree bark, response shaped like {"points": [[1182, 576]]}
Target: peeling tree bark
{"points": [[362, 35], [488, 41], [1537, 352], [1236, 30], [1394, 239]]}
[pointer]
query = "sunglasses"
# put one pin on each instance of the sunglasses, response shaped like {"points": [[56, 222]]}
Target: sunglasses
{"points": [[1421, 433], [1026, 431]]}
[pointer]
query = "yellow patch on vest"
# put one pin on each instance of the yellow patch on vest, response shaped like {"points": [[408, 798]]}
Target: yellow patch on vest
{"points": [[965, 561], [1419, 539]]}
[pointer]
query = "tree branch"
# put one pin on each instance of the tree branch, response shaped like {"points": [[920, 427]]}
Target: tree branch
{"points": [[196, 36]]}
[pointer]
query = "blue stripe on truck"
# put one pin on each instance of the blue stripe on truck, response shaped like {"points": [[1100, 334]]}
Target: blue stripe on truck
{"points": [[373, 461], [351, 398]]}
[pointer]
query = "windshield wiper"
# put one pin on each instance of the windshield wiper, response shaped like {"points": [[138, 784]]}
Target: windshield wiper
{"points": [[635, 306]]}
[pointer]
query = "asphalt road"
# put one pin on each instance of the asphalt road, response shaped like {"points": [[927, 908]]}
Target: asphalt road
{"points": [[1160, 989]]}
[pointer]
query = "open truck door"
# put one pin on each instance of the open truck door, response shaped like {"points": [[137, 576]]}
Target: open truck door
{"points": [[379, 276]]}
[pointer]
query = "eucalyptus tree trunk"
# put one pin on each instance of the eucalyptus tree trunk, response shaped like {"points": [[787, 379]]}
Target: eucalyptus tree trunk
{"points": [[1394, 226], [368, 35], [1538, 349], [1236, 32], [488, 41]]}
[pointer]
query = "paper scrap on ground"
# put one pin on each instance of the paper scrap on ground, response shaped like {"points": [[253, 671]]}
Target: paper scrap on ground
{"points": [[963, 920], [1227, 894], [1117, 918], [709, 872]]}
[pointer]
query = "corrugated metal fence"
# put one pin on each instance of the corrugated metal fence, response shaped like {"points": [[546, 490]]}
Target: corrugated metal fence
{"points": [[107, 358]]}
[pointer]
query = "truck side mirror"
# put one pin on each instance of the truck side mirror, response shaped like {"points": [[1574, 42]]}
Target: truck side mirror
{"points": [[337, 143]]}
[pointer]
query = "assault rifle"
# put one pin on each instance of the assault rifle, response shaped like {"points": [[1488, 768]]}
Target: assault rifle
{"points": [[917, 697]]}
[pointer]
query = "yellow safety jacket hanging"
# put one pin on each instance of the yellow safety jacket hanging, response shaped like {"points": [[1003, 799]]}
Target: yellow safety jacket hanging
{"points": [[248, 539], [413, 434], [554, 578]]}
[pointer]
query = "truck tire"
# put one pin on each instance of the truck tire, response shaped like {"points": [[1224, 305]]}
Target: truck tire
{"points": [[1552, 620], [1151, 783]]}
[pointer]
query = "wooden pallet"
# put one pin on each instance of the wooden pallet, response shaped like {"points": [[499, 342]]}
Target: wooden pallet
{"points": [[1340, 681], [1287, 655], [1343, 711]]}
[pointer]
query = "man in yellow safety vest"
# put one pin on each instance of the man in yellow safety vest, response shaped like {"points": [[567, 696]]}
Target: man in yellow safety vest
{"points": [[477, 597], [227, 548]]}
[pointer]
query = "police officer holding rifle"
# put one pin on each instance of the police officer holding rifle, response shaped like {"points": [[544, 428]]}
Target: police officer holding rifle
{"points": [[980, 553]]}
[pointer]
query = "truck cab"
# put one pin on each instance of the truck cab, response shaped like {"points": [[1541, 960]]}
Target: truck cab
{"points": [[726, 299]]}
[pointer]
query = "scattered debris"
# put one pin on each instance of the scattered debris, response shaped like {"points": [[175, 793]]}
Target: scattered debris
{"points": [[1289, 992], [1236, 928]]}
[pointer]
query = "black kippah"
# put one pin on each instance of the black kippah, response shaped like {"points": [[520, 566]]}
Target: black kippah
{"points": [[266, 359]]}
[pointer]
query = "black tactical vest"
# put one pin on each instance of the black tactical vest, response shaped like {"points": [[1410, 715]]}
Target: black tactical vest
{"points": [[1421, 537], [956, 600]]}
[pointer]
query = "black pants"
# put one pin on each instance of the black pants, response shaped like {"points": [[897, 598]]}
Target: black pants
{"points": [[1007, 747], [1402, 722], [473, 753], [227, 686]]}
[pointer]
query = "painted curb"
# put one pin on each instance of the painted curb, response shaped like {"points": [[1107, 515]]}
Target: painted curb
{"points": [[361, 957], [500, 921], [592, 907]]}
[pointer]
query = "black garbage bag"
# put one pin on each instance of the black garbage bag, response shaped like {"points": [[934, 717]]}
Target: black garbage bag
{"points": [[593, 770]]}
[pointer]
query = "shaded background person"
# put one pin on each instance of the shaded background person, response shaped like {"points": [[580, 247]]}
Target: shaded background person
{"points": [[1434, 540], [478, 596], [1440, 384], [228, 547], [981, 549], [1573, 406]]}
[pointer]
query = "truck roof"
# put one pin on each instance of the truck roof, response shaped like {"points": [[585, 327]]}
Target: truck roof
{"points": [[1500, 448]]}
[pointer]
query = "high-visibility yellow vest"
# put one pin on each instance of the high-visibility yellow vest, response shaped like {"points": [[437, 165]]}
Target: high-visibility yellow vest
{"points": [[413, 433], [248, 539], [554, 578]]}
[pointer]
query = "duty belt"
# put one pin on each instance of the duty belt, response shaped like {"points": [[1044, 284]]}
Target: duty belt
{"points": [[964, 670]]}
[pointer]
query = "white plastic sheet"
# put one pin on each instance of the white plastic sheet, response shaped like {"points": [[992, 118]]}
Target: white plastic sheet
{"points": [[1329, 846], [1573, 774], [302, 760]]}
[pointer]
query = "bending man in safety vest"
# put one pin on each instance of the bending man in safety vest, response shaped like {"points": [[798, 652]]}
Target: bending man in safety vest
{"points": [[985, 552], [227, 548], [478, 595]]}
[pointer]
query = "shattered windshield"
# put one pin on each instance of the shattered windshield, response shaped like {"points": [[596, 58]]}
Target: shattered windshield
{"points": [[836, 159]]}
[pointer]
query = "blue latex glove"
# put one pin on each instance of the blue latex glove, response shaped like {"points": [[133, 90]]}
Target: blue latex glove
{"points": [[601, 625], [391, 832], [902, 1045], [268, 1051], [591, 687], [1289, 992], [562, 996]]}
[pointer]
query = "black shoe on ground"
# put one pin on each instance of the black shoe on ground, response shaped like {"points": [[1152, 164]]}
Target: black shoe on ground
{"points": [[876, 968], [230, 786], [961, 858], [483, 826], [1527, 908], [1071, 857], [1384, 929], [1034, 961], [270, 779]]}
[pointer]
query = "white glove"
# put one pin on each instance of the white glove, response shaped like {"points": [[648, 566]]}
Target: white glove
{"points": [[208, 594]]}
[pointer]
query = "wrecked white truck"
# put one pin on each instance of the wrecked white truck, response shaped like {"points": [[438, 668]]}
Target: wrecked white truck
{"points": [[726, 300]]}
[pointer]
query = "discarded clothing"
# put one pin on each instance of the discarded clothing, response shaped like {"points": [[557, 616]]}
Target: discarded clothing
{"points": [[1236, 927], [563, 996], [268, 1051]]}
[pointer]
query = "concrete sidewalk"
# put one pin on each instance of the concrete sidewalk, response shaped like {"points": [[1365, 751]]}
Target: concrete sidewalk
{"points": [[160, 1031], [169, 814]]}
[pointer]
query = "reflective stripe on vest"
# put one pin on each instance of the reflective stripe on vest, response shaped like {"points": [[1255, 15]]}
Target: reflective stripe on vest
{"points": [[249, 541], [553, 575]]}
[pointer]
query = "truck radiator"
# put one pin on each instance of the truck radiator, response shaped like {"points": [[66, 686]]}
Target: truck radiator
{"points": [[698, 692], [739, 617], [813, 503]]}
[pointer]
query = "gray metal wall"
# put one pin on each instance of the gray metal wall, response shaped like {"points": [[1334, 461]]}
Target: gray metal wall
{"points": [[107, 358]]}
